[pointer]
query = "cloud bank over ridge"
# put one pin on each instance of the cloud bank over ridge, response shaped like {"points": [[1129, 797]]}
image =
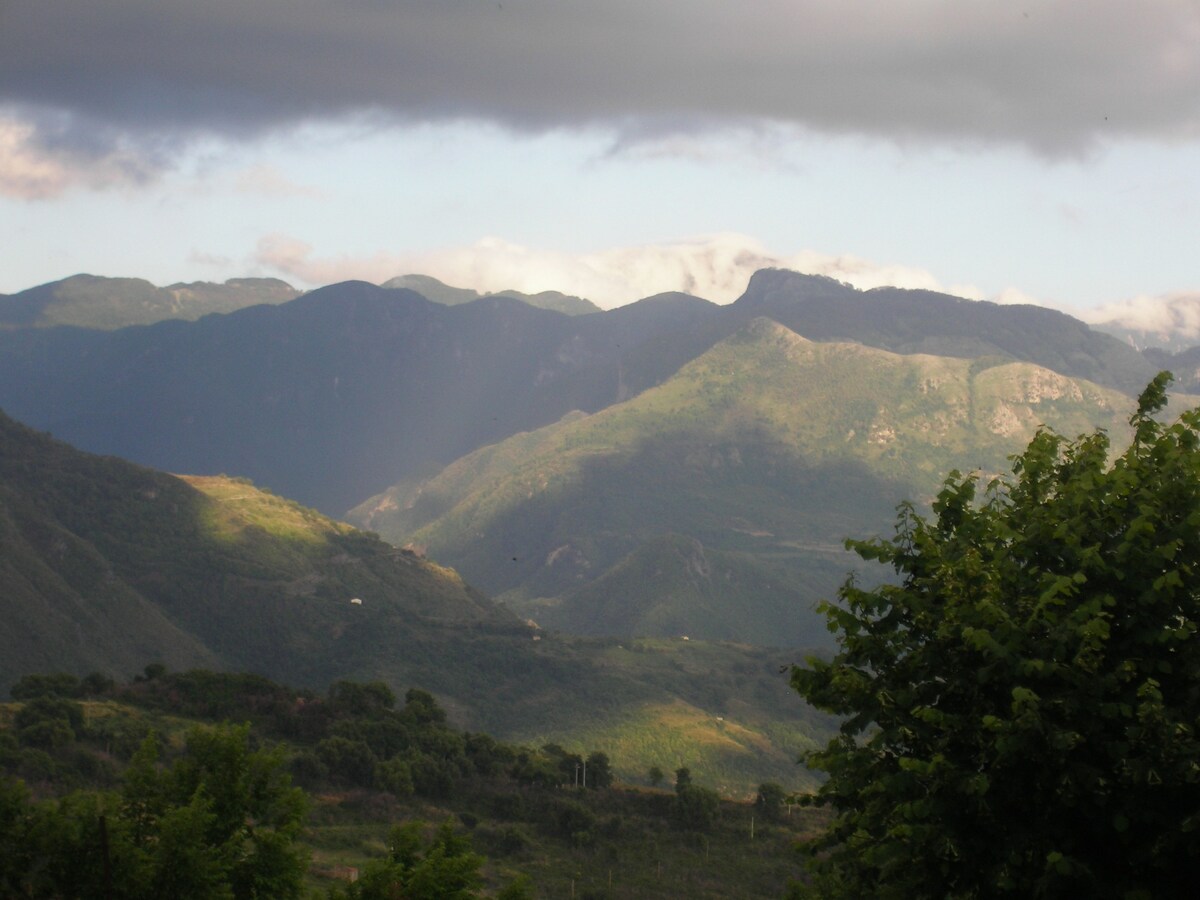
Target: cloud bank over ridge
{"points": [[715, 267]]}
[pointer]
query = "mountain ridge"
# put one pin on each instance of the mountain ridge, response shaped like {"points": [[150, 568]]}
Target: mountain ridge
{"points": [[337, 394], [768, 445], [91, 301]]}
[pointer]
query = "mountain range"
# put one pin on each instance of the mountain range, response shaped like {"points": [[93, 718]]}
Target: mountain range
{"points": [[670, 469], [91, 301], [334, 396]]}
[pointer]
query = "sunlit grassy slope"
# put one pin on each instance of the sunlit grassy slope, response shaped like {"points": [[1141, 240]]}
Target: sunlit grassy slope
{"points": [[734, 721], [717, 502], [106, 566]]}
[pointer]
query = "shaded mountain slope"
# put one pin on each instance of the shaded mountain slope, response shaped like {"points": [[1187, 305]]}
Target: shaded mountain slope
{"points": [[335, 395], [768, 445], [432, 289], [700, 592], [1184, 364], [327, 398]]}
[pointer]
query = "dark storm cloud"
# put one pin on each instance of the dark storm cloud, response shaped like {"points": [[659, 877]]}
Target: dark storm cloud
{"points": [[1049, 76]]}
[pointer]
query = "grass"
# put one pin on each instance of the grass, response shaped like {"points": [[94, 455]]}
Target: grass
{"points": [[240, 507], [635, 851]]}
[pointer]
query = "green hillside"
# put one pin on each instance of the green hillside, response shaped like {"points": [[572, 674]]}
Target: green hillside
{"points": [[218, 569], [765, 453], [105, 566]]}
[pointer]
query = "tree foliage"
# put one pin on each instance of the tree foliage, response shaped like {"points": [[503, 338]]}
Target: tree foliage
{"points": [[444, 869], [1021, 709], [770, 800], [222, 821]]}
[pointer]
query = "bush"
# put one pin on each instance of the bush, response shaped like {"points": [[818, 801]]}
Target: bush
{"points": [[394, 776], [349, 762], [695, 808], [571, 818], [31, 687]]}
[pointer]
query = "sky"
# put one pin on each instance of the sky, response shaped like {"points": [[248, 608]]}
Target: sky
{"points": [[1042, 152]]}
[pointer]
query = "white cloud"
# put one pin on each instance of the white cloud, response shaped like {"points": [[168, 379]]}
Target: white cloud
{"points": [[267, 181], [716, 267], [1166, 316], [294, 257], [34, 167], [1012, 296]]}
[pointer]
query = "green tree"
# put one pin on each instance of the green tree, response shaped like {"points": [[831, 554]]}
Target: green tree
{"points": [[599, 770], [152, 672], [48, 722], [352, 698], [520, 888], [14, 843], [655, 774], [1021, 708], [257, 815], [683, 778], [58, 684], [395, 776], [770, 800], [695, 808], [447, 869], [535, 767], [221, 823], [349, 762], [51, 708], [422, 708]]}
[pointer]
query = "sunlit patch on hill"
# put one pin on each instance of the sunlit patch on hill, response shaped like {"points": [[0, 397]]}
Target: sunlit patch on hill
{"points": [[241, 506]]}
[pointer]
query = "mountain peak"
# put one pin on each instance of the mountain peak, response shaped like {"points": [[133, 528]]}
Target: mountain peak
{"points": [[432, 289], [767, 284]]}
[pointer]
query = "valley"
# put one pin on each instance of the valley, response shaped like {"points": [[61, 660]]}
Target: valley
{"points": [[616, 525]]}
